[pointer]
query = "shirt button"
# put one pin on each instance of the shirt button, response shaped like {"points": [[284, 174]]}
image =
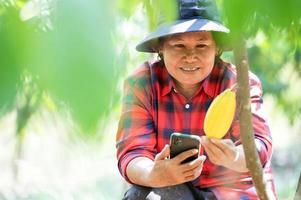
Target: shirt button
{"points": [[175, 90], [187, 106]]}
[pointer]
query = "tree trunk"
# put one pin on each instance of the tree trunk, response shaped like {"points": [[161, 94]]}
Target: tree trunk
{"points": [[245, 119]]}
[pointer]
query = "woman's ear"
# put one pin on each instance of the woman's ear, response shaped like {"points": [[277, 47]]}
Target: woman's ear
{"points": [[217, 51], [160, 55], [160, 45], [160, 48]]}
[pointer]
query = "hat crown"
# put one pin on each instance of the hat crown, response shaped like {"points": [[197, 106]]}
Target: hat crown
{"points": [[198, 9], [192, 16]]}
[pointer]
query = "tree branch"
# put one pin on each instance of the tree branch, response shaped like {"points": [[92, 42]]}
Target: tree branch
{"points": [[245, 119]]}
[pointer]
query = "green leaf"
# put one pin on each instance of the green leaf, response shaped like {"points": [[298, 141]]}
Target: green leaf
{"points": [[13, 39], [239, 19], [160, 11], [127, 8], [75, 61]]}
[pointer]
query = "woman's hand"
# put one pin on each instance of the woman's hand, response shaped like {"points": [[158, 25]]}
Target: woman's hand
{"points": [[167, 172], [224, 152], [164, 172]]}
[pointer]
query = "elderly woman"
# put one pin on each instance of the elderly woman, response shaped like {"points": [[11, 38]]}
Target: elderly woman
{"points": [[173, 94]]}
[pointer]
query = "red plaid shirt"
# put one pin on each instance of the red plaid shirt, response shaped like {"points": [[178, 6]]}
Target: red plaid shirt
{"points": [[153, 110]]}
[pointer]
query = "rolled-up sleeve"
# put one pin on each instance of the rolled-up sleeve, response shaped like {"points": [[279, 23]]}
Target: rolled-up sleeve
{"points": [[263, 139], [135, 136]]}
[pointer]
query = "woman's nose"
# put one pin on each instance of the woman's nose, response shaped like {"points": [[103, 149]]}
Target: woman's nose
{"points": [[190, 56]]}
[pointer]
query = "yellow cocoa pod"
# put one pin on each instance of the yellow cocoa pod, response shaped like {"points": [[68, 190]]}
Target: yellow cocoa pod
{"points": [[220, 114]]}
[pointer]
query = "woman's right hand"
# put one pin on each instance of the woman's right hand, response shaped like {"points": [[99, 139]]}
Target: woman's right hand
{"points": [[166, 172]]}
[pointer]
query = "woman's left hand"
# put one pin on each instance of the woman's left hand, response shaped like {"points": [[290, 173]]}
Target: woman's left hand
{"points": [[224, 152]]}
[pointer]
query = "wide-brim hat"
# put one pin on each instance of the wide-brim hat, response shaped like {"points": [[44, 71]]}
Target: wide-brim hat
{"points": [[193, 16]]}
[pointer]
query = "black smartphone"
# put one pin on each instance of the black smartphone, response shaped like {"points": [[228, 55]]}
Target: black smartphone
{"points": [[180, 142]]}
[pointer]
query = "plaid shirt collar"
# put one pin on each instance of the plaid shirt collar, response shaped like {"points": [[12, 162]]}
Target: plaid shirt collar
{"points": [[168, 84]]}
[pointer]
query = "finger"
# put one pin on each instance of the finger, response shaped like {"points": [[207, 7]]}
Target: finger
{"points": [[204, 140], [227, 146], [189, 178], [213, 155], [193, 171], [193, 164], [219, 144], [209, 152], [186, 154], [193, 174], [214, 149], [207, 142], [164, 153], [217, 151], [229, 142], [213, 152], [223, 144]]}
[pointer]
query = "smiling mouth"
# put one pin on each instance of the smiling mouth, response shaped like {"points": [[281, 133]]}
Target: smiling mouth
{"points": [[189, 69]]}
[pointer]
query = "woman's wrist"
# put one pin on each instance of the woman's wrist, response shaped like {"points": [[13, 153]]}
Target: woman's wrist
{"points": [[150, 176]]}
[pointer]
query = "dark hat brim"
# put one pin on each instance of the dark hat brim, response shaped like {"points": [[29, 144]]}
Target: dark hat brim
{"points": [[151, 42]]}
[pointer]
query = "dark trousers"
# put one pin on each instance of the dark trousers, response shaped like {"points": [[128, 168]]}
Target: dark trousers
{"points": [[178, 192]]}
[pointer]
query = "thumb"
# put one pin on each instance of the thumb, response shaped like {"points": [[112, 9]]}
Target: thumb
{"points": [[164, 153]]}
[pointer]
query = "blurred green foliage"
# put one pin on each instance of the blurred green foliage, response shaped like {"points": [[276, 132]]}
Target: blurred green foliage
{"points": [[156, 11], [73, 59], [27, 101], [12, 48], [274, 26], [70, 49]]}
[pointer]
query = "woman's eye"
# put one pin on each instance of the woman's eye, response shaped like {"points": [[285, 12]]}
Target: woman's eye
{"points": [[201, 46], [179, 45]]}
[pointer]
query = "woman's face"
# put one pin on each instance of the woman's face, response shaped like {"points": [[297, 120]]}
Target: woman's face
{"points": [[189, 57]]}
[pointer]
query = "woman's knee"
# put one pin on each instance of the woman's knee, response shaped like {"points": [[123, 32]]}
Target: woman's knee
{"points": [[136, 192], [179, 192]]}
